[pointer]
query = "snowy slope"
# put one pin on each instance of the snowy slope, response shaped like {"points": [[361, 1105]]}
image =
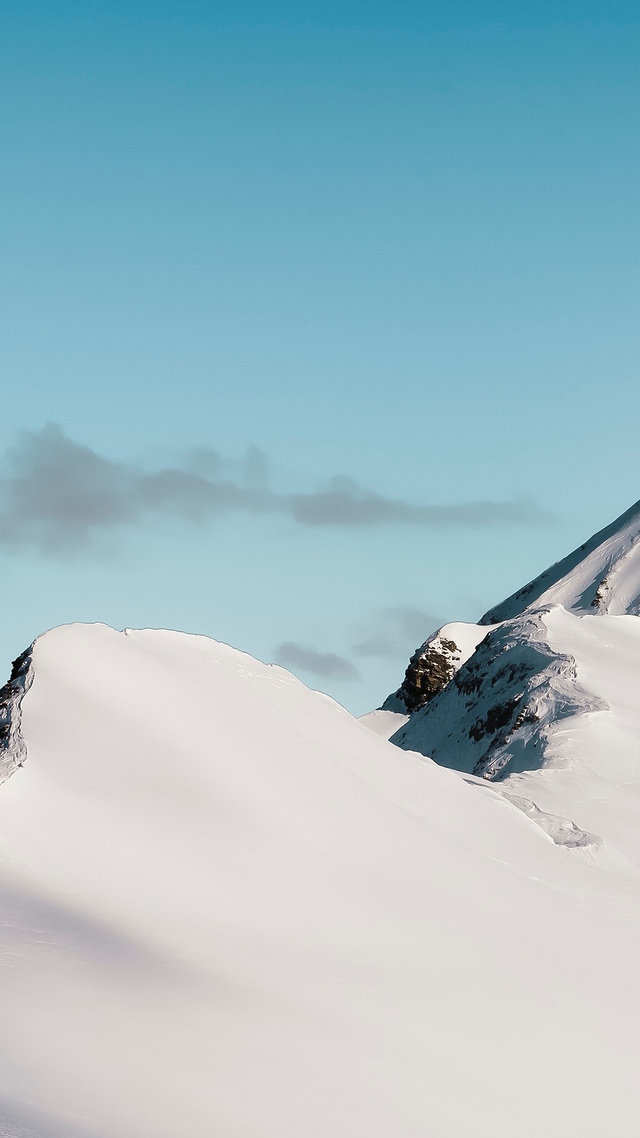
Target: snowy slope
{"points": [[603, 575], [228, 908]]}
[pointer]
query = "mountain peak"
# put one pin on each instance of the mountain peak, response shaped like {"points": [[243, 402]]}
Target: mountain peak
{"points": [[601, 576]]}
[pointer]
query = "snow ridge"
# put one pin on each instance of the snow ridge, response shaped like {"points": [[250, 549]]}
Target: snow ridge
{"points": [[13, 751], [495, 716], [601, 576]]}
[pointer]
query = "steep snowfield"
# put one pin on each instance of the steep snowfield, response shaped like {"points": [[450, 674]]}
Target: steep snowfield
{"points": [[603, 575], [230, 909]]}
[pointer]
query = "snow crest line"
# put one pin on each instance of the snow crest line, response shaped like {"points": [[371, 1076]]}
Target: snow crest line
{"points": [[13, 751]]}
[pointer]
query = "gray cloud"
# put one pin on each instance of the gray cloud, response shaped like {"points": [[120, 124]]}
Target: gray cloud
{"points": [[56, 494], [395, 631], [411, 621], [325, 664], [344, 503], [53, 492], [380, 646]]}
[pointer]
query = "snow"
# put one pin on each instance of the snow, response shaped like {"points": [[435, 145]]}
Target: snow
{"points": [[465, 636], [592, 761], [496, 715], [548, 704], [229, 908], [603, 575], [384, 723]]}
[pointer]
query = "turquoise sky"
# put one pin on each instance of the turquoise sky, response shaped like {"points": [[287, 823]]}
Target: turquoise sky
{"points": [[252, 249]]}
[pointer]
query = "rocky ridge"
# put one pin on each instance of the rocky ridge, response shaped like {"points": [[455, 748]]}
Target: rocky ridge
{"points": [[491, 710]]}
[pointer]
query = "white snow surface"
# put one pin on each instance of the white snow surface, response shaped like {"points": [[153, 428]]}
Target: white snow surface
{"points": [[384, 723], [229, 909], [592, 761]]}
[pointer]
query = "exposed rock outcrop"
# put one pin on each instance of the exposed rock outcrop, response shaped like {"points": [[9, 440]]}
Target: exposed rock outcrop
{"points": [[430, 669], [12, 748]]}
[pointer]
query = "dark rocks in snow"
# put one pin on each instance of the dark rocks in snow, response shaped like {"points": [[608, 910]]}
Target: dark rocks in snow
{"points": [[429, 670], [497, 717], [12, 749]]}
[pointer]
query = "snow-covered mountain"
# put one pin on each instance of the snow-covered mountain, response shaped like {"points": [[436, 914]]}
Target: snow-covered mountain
{"points": [[601, 576], [541, 695], [229, 908]]}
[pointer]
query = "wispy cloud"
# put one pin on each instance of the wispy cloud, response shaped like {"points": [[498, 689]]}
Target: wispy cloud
{"points": [[324, 664], [395, 631], [344, 503], [56, 494]]}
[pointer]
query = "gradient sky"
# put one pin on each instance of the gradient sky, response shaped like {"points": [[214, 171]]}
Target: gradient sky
{"points": [[298, 285]]}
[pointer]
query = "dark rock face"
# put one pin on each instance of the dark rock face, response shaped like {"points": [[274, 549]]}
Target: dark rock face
{"points": [[429, 671], [497, 717], [12, 749]]}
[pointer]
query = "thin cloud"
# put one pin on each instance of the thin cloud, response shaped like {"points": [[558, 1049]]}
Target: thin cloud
{"points": [[395, 631], [411, 621], [56, 495], [328, 665], [376, 646], [344, 503]]}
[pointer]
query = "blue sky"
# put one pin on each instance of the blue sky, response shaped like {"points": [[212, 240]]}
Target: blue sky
{"points": [[391, 243]]}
